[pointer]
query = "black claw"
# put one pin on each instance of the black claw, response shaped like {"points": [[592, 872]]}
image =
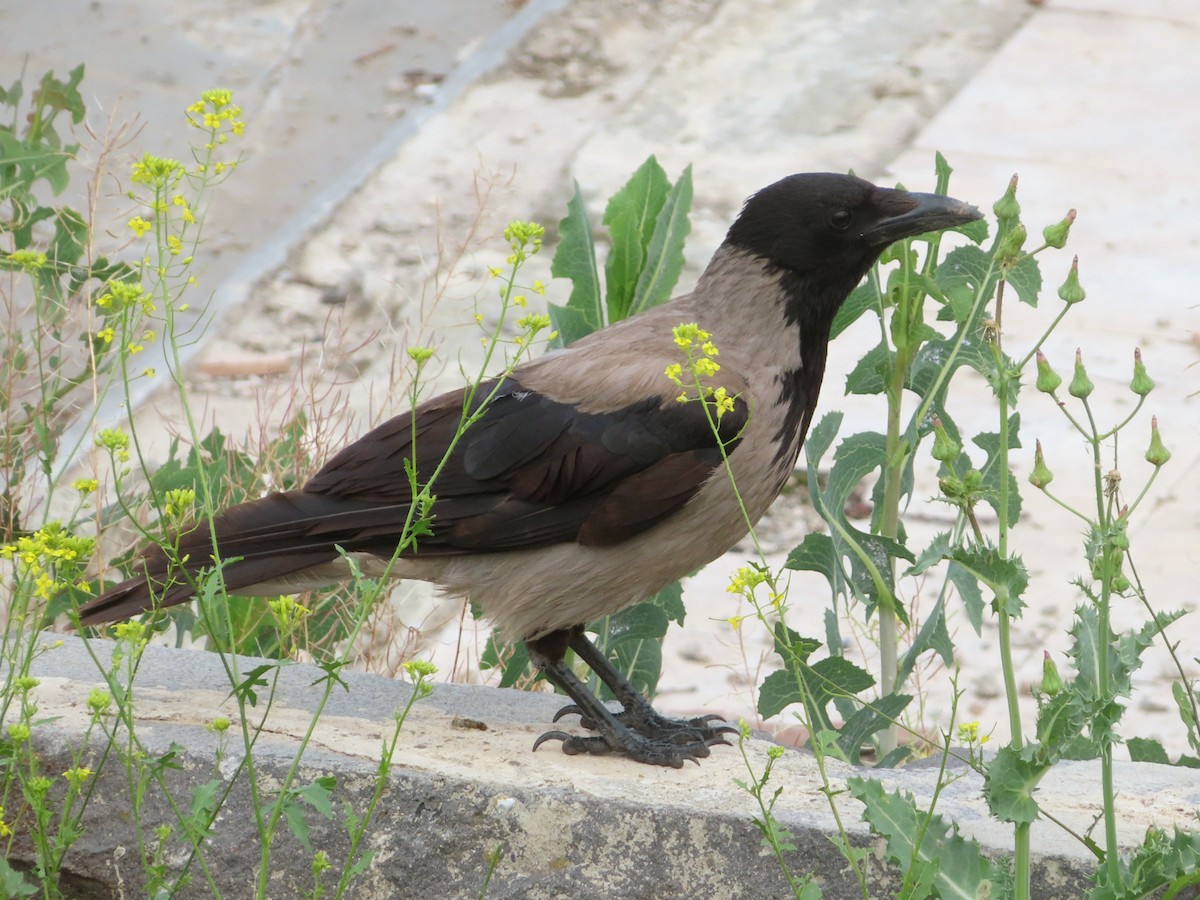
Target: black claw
{"points": [[568, 710], [551, 736]]}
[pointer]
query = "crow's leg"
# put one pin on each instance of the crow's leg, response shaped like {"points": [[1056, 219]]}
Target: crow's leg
{"points": [[664, 742], [638, 714]]}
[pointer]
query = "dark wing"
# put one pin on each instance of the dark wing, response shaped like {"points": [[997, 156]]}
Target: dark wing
{"points": [[530, 471], [527, 472]]}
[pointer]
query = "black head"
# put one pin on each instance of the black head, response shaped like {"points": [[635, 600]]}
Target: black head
{"points": [[831, 228]]}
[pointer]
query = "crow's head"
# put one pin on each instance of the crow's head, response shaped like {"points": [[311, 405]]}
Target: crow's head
{"points": [[831, 228]]}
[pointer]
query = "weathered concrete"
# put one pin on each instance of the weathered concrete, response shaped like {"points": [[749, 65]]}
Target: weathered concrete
{"points": [[464, 782]]}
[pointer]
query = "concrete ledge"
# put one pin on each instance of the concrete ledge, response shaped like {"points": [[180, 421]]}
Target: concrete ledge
{"points": [[570, 826]]}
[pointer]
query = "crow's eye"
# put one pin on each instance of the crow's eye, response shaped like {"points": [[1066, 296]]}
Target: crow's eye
{"points": [[840, 220]]}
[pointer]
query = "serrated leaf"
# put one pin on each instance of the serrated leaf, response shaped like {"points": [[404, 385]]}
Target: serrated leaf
{"points": [[664, 255], [861, 299], [632, 640], [815, 554], [967, 586], [317, 794], [938, 549], [962, 276], [1147, 750], [962, 870], [992, 471], [575, 259], [932, 636], [1005, 576], [1059, 722], [1009, 784], [856, 457], [635, 623], [868, 720], [630, 216], [640, 662], [870, 374], [778, 691], [1026, 279], [670, 601]]}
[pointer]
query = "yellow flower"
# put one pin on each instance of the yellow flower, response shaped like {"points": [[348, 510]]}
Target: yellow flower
{"points": [[745, 580], [687, 333], [86, 486], [139, 225], [722, 402], [77, 776]]}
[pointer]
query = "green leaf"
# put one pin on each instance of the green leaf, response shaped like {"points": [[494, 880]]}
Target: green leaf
{"points": [[961, 276], [869, 720], [932, 636], [1009, 783], [70, 237], [967, 586], [575, 259], [204, 804], [13, 883], [670, 601], [630, 216], [815, 554], [664, 255], [247, 688], [511, 659], [1147, 750], [870, 374], [781, 689], [959, 866], [992, 471], [1004, 576], [632, 639], [1026, 279], [778, 691], [1060, 721], [861, 299], [1160, 861]]}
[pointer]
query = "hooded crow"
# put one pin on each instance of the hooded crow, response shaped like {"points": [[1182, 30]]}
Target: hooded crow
{"points": [[584, 486]]}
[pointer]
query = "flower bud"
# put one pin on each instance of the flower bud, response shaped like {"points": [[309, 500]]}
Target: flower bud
{"points": [[1009, 250], [945, 448], [1081, 386], [1052, 682], [951, 486], [1072, 291], [1157, 455], [1056, 235], [1007, 209], [1047, 379], [1142, 384], [1041, 474], [1120, 538]]}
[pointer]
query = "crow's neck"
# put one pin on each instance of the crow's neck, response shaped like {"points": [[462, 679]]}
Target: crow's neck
{"points": [[810, 306]]}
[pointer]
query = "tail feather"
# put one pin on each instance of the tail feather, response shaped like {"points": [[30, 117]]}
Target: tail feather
{"points": [[265, 540]]}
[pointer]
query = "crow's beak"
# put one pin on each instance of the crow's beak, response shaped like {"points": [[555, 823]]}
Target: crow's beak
{"points": [[906, 214]]}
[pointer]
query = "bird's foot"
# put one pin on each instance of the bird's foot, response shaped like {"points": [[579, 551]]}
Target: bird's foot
{"points": [[649, 723], [672, 752]]}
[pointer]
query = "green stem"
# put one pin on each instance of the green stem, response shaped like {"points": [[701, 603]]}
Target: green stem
{"points": [[1112, 857], [1021, 843]]}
